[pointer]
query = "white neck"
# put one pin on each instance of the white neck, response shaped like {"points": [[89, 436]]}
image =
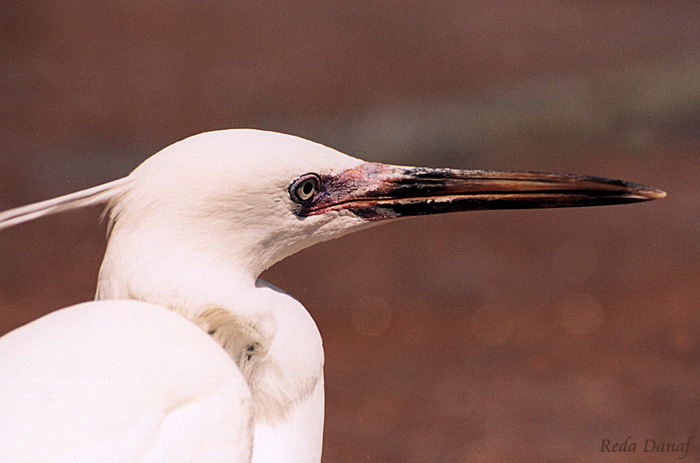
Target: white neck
{"points": [[269, 334]]}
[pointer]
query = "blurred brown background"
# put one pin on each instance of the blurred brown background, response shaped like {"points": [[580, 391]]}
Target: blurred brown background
{"points": [[491, 336]]}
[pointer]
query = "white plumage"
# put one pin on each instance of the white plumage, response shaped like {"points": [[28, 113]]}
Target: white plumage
{"points": [[140, 375], [171, 394]]}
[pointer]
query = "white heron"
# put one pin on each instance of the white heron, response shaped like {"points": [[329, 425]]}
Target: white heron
{"points": [[186, 356]]}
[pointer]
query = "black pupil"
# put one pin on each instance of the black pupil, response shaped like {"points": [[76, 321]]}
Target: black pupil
{"points": [[308, 187]]}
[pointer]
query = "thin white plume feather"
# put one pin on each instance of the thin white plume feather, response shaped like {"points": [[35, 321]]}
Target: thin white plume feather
{"points": [[84, 198]]}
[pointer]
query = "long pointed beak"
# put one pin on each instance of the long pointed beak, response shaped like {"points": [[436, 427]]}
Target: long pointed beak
{"points": [[377, 191]]}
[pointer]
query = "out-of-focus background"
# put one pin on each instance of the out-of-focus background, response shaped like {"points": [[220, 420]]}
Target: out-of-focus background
{"points": [[504, 336]]}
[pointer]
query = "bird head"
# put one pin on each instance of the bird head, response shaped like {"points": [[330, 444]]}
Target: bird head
{"points": [[255, 197], [238, 196]]}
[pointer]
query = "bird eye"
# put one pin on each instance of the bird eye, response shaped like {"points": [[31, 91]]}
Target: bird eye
{"points": [[305, 188]]}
